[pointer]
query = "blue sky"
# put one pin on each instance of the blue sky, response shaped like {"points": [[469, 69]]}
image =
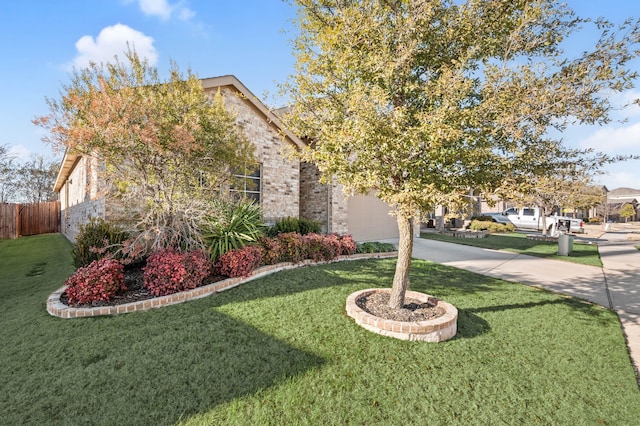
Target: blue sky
{"points": [[41, 40]]}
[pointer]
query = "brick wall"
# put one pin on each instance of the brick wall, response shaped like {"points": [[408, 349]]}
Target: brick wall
{"points": [[280, 174], [314, 197], [326, 204], [78, 198]]}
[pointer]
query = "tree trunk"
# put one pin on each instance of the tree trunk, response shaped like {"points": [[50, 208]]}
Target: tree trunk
{"points": [[543, 218], [405, 250]]}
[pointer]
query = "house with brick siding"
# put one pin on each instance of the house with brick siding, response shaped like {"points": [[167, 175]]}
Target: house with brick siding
{"points": [[283, 186]]}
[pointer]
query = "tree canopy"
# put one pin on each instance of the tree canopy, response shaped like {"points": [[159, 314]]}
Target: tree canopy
{"points": [[627, 211], [29, 181], [162, 145], [423, 100]]}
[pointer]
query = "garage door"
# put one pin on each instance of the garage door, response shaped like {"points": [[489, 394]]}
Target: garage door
{"points": [[369, 219]]}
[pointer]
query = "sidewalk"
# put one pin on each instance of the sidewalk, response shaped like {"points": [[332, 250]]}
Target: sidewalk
{"points": [[616, 285]]}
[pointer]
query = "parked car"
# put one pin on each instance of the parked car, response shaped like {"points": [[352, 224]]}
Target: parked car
{"points": [[530, 218]]}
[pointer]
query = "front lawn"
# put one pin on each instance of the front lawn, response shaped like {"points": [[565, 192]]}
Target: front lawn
{"points": [[281, 350], [586, 254]]}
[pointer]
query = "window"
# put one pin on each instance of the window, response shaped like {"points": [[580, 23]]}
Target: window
{"points": [[247, 183], [528, 212]]}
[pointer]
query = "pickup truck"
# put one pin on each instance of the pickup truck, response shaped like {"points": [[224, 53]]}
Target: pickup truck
{"points": [[529, 218]]}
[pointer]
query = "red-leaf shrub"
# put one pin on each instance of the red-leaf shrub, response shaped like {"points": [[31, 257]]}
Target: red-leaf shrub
{"points": [[100, 280], [321, 247], [271, 251], [169, 272], [348, 246], [241, 262], [291, 247]]}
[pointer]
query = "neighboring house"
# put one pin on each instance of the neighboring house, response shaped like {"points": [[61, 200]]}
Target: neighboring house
{"points": [[616, 198], [284, 186]]}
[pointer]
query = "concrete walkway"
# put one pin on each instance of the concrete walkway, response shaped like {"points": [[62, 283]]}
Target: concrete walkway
{"points": [[616, 285]]}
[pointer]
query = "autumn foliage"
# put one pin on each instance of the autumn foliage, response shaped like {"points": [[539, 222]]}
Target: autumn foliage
{"points": [[168, 271], [98, 281], [163, 147]]}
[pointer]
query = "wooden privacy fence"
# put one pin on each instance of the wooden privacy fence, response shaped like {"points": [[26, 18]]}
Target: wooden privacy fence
{"points": [[29, 219]]}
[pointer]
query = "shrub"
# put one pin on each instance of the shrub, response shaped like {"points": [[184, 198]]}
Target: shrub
{"points": [[100, 280], [482, 218], [307, 226], [233, 227], [271, 250], [320, 247], [241, 262], [293, 224], [96, 240], [375, 247], [169, 272], [291, 247], [348, 245], [595, 220], [493, 227]]}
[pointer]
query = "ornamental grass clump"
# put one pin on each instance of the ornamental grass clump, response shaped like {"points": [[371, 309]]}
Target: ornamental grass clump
{"points": [[298, 225], [98, 281], [97, 239], [234, 226], [169, 272]]}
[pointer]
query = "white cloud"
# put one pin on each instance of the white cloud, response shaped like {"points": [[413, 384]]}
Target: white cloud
{"points": [[626, 105], [113, 41], [619, 179], [621, 140], [158, 8], [186, 14], [165, 10]]}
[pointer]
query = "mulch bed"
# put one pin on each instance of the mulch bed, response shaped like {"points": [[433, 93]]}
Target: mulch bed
{"points": [[377, 304], [133, 279]]}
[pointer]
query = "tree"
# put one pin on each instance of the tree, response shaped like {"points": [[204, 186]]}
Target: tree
{"points": [[162, 145], [557, 178], [422, 101], [7, 175], [35, 179], [627, 211], [586, 196]]}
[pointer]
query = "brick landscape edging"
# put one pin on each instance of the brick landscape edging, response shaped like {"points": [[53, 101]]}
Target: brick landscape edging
{"points": [[432, 330], [56, 308]]}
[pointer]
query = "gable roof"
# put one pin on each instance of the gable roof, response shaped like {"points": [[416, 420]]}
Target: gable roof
{"points": [[70, 159], [66, 167], [255, 104]]}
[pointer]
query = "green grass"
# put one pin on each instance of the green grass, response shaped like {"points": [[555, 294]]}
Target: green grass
{"points": [[586, 254], [280, 350]]}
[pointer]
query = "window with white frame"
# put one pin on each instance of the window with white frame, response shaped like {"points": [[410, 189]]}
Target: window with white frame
{"points": [[247, 183]]}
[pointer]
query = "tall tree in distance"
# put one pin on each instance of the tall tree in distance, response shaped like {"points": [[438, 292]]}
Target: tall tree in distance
{"points": [[36, 177], [163, 145], [8, 179], [422, 101]]}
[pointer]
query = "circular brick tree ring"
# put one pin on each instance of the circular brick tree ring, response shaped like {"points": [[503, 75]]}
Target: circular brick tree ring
{"points": [[432, 330]]}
